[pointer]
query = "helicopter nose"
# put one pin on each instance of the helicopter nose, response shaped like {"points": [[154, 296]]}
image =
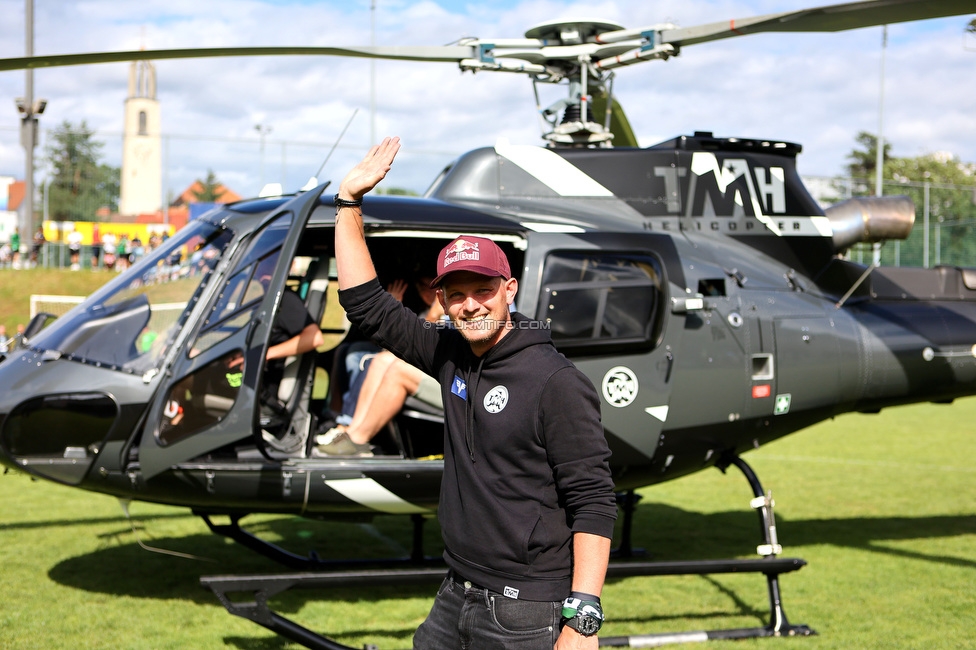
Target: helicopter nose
{"points": [[48, 427], [35, 438]]}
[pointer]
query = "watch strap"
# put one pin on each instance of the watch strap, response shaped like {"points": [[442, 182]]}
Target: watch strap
{"points": [[343, 203], [584, 616]]}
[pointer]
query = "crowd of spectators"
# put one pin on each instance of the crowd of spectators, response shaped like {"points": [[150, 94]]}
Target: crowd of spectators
{"points": [[10, 343], [110, 252]]}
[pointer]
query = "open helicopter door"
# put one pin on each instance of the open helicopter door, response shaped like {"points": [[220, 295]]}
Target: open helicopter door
{"points": [[210, 400], [605, 298]]}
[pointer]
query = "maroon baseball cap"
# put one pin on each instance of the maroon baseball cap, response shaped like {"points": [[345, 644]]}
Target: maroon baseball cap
{"points": [[476, 254]]}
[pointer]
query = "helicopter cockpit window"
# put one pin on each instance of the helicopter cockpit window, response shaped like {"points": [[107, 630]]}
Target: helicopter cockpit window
{"points": [[601, 299], [131, 323], [236, 304], [246, 287]]}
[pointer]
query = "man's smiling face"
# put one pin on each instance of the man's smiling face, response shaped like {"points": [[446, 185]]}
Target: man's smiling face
{"points": [[478, 306]]}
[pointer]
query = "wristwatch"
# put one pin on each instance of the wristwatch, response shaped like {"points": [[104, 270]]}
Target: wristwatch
{"points": [[584, 616]]}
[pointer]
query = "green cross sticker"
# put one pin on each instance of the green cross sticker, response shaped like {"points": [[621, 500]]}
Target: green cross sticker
{"points": [[782, 404]]}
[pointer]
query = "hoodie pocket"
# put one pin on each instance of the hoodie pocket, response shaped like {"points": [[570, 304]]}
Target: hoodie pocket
{"points": [[550, 532]]}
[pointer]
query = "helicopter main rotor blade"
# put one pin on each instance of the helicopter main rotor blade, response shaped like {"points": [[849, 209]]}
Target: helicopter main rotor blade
{"points": [[445, 54], [832, 18], [610, 49]]}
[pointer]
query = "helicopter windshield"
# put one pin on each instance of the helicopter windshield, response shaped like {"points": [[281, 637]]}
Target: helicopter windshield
{"points": [[130, 324]]}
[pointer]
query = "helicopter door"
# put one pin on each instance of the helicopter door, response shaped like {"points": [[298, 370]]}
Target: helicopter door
{"points": [[606, 309], [210, 401], [716, 344]]}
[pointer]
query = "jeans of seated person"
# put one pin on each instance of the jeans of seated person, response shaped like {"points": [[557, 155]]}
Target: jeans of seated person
{"points": [[351, 396], [357, 360]]}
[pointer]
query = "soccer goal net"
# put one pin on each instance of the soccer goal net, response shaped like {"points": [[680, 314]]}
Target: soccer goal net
{"points": [[57, 305]]}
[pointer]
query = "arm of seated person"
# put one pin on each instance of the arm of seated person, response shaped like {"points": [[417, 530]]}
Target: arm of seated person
{"points": [[306, 340]]}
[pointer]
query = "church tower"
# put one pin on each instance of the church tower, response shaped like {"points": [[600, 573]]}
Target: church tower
{"points": [[142, 169]]}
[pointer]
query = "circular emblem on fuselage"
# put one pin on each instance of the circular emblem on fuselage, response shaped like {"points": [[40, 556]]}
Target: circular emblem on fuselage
{"points": [[620, 386], [496, 399]]}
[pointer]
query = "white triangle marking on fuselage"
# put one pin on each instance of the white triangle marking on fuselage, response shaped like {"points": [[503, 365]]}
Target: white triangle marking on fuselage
{"points": [[659, 412]]}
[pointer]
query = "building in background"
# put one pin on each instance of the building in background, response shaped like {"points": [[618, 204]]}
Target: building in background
{"points": [[11, 199], [142, 170], [187, 206]]}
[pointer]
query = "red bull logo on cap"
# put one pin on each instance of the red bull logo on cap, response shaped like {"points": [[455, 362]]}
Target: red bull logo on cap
{"points": [[471, 253], [461, 250]]}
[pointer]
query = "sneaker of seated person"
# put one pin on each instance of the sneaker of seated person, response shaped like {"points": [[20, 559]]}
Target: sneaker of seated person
{"points": [[336, 442]]}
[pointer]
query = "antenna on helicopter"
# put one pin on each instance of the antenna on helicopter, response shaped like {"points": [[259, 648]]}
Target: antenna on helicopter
{"points": [[313, 181]]}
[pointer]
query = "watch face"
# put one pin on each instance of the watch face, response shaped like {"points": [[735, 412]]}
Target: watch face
{"points": [[588, 625]]}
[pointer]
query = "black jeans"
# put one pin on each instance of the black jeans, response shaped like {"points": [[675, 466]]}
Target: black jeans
{"points": [[468, 617]]}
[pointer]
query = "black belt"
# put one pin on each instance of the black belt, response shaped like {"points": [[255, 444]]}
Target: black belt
{"points": [[463, 582]]}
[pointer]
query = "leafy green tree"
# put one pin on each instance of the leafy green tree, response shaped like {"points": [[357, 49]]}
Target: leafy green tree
{"points": [[210, 189], [80, 184], [940, 181], [948, 187], [395, 191], [864, 161]]}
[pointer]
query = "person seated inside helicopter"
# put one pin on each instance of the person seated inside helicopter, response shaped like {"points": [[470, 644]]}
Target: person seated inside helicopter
{"points": [[381, 389], [293, 332], [356, 356]]}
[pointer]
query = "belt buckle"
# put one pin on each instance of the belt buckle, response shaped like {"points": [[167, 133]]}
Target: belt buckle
{"points": [[461, 581]]}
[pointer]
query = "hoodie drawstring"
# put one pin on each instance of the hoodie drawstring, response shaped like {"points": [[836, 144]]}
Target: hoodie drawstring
{"points": [[469, 419]]}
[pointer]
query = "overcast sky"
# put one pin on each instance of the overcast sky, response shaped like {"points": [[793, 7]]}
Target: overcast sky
{"points": [[817, 90]]}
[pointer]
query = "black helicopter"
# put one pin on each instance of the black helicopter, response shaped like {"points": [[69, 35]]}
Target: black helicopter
{"points": [[696, 282]]}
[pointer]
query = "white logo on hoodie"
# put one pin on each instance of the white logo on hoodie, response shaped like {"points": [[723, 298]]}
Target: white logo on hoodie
{"points": [[496, 399]]}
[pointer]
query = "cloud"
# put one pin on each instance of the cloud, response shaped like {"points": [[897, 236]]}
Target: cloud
{"points": [[815, 89]]}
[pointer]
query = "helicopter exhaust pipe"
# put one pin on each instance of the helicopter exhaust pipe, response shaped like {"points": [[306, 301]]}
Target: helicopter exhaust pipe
{"points": [[870, 219]]}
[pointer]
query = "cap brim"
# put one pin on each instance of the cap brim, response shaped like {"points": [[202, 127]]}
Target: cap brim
{"points": [[480, 270]]}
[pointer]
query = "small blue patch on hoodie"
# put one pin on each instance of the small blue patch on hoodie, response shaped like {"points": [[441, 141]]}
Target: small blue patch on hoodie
{"points": [[460, 388]]}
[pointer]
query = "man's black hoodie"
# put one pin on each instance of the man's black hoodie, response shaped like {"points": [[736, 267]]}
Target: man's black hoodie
{"points": [[525, 458]]}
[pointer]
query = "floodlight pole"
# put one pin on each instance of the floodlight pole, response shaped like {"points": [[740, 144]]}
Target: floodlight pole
{"points": [[925, 224], [28, 128], [879, 160], [263, 130], [372, 75]]}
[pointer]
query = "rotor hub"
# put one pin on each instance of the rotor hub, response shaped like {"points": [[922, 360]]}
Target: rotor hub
{"points": [[571, 32]]}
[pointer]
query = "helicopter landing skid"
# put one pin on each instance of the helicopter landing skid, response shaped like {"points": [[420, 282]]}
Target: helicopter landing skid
{"points": [[265, 586], [312, 561]]}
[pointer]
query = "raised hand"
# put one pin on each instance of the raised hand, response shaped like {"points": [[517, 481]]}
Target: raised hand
{"points": [[397, 289], [370, 170]]}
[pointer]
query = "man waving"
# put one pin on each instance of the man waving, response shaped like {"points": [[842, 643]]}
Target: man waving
{"points": [[526, 504]]}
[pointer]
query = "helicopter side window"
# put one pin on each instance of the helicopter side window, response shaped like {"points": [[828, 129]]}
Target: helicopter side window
{"points": [[202, 399], [603, 299]]}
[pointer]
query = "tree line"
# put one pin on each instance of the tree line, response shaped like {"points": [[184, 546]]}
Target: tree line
{"points": [[939, 183]]}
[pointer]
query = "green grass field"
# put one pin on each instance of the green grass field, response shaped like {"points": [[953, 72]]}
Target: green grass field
{"points": [[881, 506], [16, 288]]}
